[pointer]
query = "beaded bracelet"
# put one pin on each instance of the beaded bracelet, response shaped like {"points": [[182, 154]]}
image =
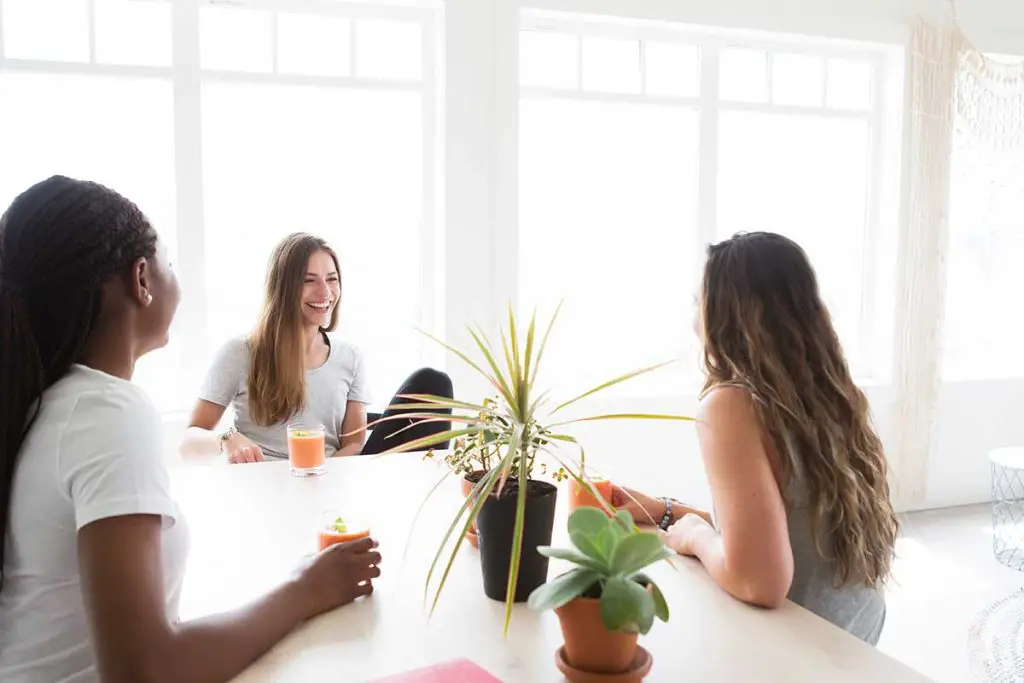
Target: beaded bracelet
{"points": [[666, 520]]}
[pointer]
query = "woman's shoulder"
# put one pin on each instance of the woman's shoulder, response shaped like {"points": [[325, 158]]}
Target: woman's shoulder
{"points": [[233, 352], [344, 350], [727, 399], [95, 398], [237, 346]]}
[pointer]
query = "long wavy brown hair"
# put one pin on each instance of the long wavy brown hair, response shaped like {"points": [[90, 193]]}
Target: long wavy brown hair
{"points": [[765, 327], [277, 375]]}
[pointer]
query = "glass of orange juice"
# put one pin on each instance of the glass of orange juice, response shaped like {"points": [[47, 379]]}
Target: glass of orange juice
{"points": [[600, 480], [336, 527], [307, 451]]}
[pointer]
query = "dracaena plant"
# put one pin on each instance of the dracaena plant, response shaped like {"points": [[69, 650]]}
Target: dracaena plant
{"points": [[610, 554], [507, 436]]}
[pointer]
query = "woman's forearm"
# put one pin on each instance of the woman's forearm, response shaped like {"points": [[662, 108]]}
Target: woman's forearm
{"points": [[354, 448], [199, 443], [217, 648], [680, 510], [742, 583]]}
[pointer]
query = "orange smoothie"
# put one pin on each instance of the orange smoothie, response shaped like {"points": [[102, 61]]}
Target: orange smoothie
{"points": [[306, 449], [338, 531], [580, 497]]}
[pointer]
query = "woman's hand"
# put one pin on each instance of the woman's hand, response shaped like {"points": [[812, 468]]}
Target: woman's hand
{"points": [[240, 449], [680, 536], [340, 574], [643, 508]]}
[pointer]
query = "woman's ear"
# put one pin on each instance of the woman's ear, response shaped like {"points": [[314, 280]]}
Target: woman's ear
{"points": [[142, 282]]}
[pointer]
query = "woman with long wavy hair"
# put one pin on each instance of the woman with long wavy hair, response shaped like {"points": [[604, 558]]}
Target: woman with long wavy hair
{"points": [[796, 469], [295, 367]]}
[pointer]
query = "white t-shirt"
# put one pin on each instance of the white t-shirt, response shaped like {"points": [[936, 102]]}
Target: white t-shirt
{"points": [[329, 388], [95, 451]]}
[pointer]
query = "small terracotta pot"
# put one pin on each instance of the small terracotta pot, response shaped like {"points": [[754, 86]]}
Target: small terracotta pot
{"points": [[580, 497], [589, 646], [639, 668], [467, 488]]}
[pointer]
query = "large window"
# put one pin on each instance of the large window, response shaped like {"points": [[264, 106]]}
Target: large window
{"points": [[639, 145], [232, 126]]}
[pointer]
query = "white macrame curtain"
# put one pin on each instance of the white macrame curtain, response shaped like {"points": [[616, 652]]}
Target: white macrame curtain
{"points": [[956, 94]]}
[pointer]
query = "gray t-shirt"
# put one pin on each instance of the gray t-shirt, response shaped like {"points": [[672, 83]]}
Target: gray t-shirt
{"points": [[329, 388]]}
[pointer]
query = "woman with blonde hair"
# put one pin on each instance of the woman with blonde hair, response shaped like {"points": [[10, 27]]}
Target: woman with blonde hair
{"points": [[293, 367], [796, 469]]}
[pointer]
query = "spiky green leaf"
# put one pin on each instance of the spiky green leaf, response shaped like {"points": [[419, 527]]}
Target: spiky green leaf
{"points": [[517, 541], [477, 497], [612, 382], [428, 441], [623, 416]]}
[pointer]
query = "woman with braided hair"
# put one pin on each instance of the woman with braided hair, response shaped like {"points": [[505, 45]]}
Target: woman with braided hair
{"points": [[94, 547]]}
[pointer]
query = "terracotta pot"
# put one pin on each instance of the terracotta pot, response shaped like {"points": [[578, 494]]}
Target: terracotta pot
{"points": [[580, 497], [589, 646], [639, 668], [467, 488]]}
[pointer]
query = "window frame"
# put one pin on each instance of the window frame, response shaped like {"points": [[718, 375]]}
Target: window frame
{"points": [[711, 42], [187, 77]]}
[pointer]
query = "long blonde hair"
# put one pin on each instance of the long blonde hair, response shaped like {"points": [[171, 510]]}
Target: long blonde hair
{"points": [[765, 326], [277, 376]]}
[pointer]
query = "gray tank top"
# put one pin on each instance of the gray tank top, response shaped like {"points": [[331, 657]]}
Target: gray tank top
{"points": [[854, 607]]}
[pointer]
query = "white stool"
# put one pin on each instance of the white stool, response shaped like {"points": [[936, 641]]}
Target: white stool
{"points": [[1008, 506]]}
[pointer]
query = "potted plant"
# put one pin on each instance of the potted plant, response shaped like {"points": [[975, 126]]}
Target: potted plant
{"points": [[512, 509], [471, 458], [606, 600]]}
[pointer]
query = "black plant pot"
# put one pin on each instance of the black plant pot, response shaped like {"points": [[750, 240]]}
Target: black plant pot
{"points": [[495, 526]]}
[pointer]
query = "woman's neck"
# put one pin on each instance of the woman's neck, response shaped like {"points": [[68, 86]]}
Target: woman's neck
{"points": [[111, 348], [311, 338]]}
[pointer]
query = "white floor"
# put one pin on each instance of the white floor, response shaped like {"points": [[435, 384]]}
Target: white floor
{"points": [[945, 574]]}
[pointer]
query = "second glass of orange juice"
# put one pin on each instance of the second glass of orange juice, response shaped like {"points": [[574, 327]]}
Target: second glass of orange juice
{"points": [[307, 451], [338, 528]]}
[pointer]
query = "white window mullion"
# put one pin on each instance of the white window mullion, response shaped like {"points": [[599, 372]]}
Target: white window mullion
{"points": [[869, 322], [431, 253], [352, 66], [273, 41], [505, 183], [191, 265], [92, 31], [707, 174]]}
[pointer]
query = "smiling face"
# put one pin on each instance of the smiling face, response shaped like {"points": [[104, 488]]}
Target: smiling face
{"points": [[321, 289]]}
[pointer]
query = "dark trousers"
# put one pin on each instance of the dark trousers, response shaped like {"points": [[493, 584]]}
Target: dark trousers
{"points": [[423, 381]]}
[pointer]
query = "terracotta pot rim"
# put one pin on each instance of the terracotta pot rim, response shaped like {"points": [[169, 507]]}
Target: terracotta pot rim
{"points": [[641, 665]]}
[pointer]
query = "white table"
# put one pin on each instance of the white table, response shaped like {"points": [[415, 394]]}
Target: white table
{"points": [[251, 524]]}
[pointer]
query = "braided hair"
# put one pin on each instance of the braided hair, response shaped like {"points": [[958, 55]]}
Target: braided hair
{"points": [[60, 241]]}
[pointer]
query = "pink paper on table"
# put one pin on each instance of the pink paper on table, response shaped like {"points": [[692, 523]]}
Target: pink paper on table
{"points": [[456, 670]]}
